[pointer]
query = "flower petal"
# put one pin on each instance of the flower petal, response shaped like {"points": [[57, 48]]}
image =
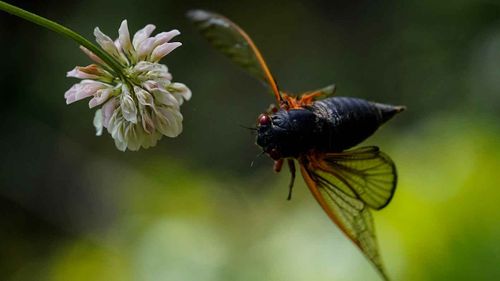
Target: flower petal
{"points": [[164, 37], [92, 71], [116, 129], [133, 136], [125, 43], [92, 56], [98, 122], [120, 144], [153, 71], [161, 95], [78, 73], [145, 48], [146, 107], [127, 105], [106, 43], [168, 121], [124, 39], [147, 122], [123, 58], [142, 34], [115, 122], [181, 91], [108, 109], [163, 50], [82, 90], [143, 97], [100, 97], [150, 140]]}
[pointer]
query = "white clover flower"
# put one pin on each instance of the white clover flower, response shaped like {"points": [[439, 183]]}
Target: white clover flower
{"points": [[141, 104]]}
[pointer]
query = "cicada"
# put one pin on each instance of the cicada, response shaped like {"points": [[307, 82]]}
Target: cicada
{"points": [[318, 131]]}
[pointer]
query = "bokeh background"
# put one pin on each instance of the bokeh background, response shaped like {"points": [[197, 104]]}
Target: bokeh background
{"points": [[72, 207]]}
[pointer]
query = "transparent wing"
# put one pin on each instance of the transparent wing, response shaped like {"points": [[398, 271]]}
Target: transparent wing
{"points": [[365, 173], [347, 210], [232, 41], [324, 92]]}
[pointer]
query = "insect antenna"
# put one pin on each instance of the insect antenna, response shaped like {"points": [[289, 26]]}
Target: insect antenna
{"points": [[256, 157], [253, 130], [248, 128]]}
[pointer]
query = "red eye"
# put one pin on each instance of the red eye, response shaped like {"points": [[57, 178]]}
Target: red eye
{"points": [[264, 119]]}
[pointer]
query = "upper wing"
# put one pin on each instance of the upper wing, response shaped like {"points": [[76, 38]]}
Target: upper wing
{"points": [[324, 92], [340, 201], [233, 42], [307, 98]]}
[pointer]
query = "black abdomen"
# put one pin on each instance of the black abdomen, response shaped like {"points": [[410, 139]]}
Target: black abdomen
{"points": [[345, 122]]}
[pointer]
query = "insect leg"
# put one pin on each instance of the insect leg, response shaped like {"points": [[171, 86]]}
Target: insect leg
{"points": [[291, 165], [277, 165]]}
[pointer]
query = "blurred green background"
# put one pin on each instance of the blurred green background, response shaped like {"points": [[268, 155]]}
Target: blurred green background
{"points": [[72, 207]]}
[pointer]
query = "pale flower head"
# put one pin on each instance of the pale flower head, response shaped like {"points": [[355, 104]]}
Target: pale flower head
{"points": [[140, 105]]}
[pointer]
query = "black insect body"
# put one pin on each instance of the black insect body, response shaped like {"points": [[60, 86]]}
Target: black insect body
{"points": [[329, 125], [319, 132]]}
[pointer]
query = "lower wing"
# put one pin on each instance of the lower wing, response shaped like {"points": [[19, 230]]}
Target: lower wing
{"points": [[346, 185]]}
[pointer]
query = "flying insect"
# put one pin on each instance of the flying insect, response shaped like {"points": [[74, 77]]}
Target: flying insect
{"points": [[318, 131]]}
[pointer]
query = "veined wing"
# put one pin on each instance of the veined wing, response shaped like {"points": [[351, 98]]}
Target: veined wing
{"points": [[308, 98], [342, 204], [365, 173], [232, 41]]}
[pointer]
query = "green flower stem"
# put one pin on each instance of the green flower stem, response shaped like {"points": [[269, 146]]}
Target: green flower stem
{"points": [[110, 61]]}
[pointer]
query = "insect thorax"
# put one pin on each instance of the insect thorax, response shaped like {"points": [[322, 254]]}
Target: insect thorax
{"points": [[289, 133]]}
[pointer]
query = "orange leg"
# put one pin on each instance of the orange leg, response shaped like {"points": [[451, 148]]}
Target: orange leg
{"points": [[277, 165]]}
